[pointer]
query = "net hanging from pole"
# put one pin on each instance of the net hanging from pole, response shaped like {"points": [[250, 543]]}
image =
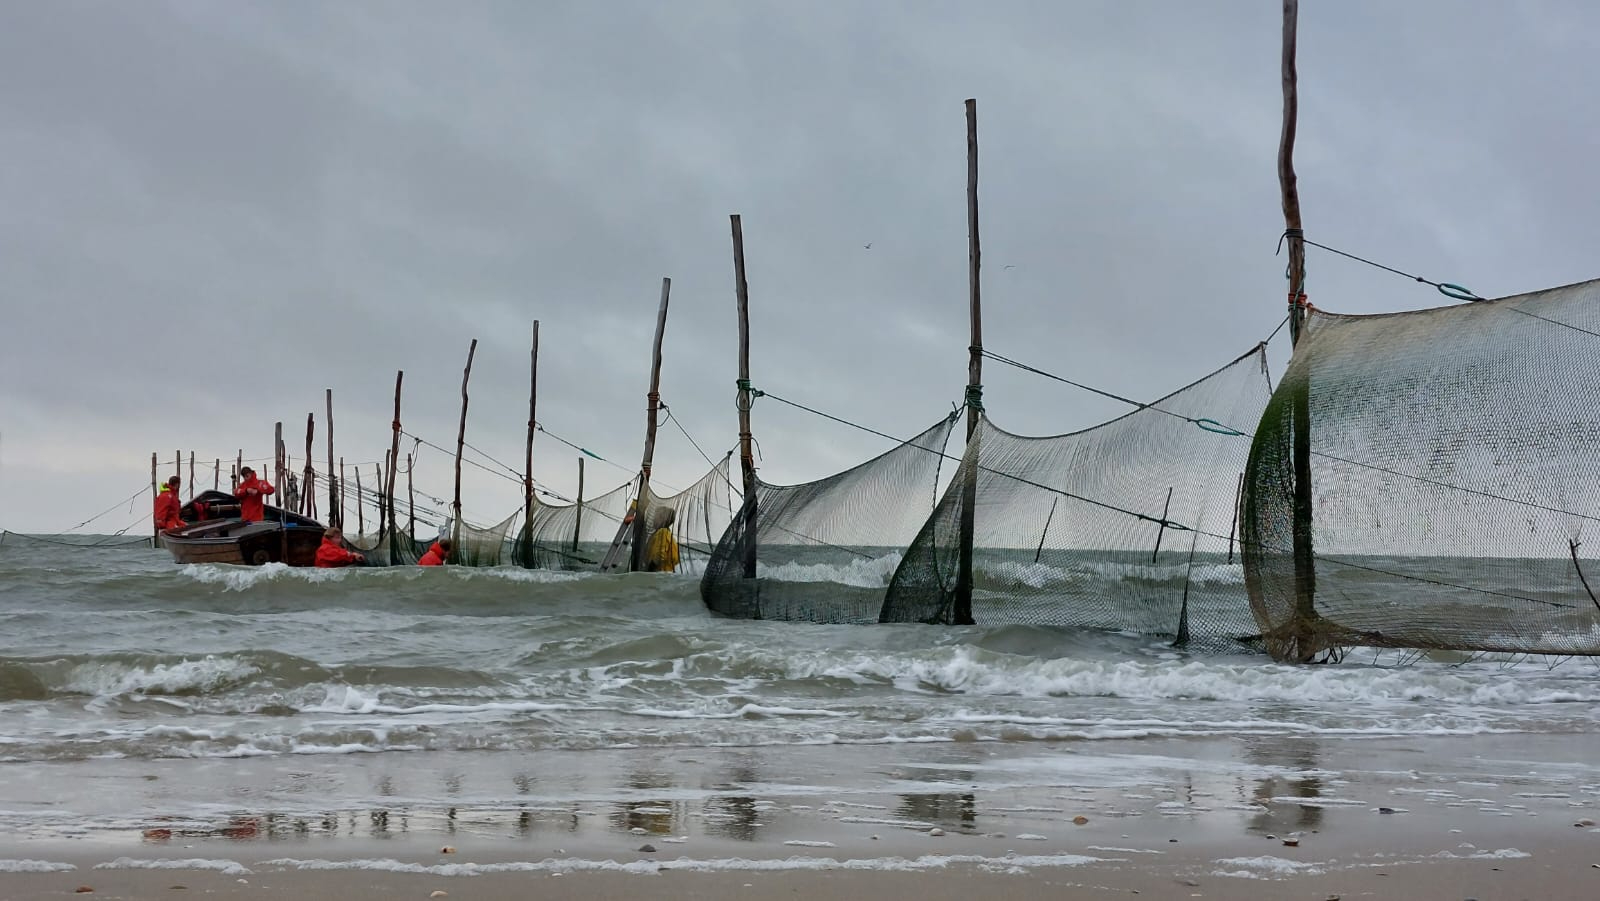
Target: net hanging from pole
{"points": [[1058, 534], [824, 549], [388, 548], [1454, 466], [565, 536]]}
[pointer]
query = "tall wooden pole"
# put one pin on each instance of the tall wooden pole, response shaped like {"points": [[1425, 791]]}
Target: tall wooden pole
{"points": [[527, 463], [961, 614], [335, 510], [744, 401], [361, 519], [191, 475], [653, 405], [461, 442], [394, 452], [577, 522], [342, 491], [1305, 573], [155, 488], [277, 455], [411, 503]]}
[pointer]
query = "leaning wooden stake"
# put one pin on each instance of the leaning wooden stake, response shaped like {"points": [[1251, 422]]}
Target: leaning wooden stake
{"points": [[394, 453], [744, 401], [461, 442], [335, 506], [308, 482], [411, 503], [1305, 574], [653, 406], [361, 519], [527, 463], [961, 615]]}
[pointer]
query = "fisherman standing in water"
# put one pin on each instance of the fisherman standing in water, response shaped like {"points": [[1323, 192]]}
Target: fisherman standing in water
{"points": [[436, 555], [332, 553], [661, 554]]}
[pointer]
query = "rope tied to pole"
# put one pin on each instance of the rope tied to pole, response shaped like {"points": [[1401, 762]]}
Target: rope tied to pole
{"points": [[974, 397]]}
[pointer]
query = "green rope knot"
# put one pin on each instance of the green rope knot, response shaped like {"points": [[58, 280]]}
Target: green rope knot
{"points": [[744, 384], [1217, 428], [974, 397], [1456, 292]]}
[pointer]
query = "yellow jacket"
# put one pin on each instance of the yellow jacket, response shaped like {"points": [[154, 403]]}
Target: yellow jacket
{"points": [[661, 554]]}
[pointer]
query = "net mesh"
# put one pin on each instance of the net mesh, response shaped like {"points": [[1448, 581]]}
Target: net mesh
{"points": [[823, 550], [1454, 460], [1068, 530], [482, 545], [571, 536], [388, 548]]}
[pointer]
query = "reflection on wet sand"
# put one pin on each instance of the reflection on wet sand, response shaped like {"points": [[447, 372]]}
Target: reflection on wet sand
{"points": [[1298, 756]]}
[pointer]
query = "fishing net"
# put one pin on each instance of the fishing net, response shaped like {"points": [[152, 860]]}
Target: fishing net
{"points": [[86, 542], [1128, 525], [822, 551], [388, 548], [1454, 463], [571, 536], [481, 545]]}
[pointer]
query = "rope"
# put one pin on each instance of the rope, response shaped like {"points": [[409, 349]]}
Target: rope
{"points": [[1209, 425], [1452, 291]]}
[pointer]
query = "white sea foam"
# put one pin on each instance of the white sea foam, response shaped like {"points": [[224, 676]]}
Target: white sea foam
{"points": [[203, 674], [226, 867], [34, 866], [243, 578], [1266, 867], [685, 864], [862, 573]]}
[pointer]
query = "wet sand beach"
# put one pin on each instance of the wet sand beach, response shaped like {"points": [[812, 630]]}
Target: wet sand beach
{"points": [[1448, 818]]}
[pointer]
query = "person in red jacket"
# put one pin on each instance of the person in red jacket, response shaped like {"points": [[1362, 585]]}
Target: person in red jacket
{"points": [[168, 506], [250, 492], [436, 555], [332, 553]]}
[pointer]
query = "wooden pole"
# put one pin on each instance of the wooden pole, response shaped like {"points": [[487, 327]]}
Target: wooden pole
{"points": [[277, 454], [361, 519], [177, 462], [461, 441], [216, 475], [962, 613], [1300, 418], [191, 475], [411, 507], [308, 482], [335, 508], [745, 400], [342, 484], [527, 465], [394, 451], [238, 468], [155, 488], [577, 523], [652, 406]]}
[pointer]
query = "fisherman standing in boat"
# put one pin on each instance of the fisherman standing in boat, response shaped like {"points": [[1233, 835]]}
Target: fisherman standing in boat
{"points": [[332, 553], [168, 506], [250, 492]]}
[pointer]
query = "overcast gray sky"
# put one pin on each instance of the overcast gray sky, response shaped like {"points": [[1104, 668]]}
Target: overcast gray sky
{"points": [[211, 211]]}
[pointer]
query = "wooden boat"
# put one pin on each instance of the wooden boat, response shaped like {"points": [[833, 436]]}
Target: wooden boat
{"points": [[214, 533]]}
